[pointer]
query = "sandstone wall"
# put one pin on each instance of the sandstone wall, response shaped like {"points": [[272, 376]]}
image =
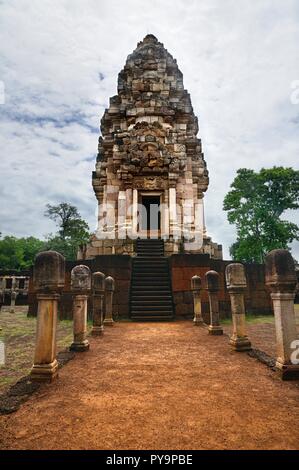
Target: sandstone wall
{"points": [[119, 267], [182, 268]]}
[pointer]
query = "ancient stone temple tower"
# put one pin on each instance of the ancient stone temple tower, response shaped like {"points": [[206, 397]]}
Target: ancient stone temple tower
{"points": [[150, 174]]}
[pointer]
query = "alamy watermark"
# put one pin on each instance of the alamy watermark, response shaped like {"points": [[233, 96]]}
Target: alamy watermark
{"points": [[122, 221], [2, 353], [295, 354]]}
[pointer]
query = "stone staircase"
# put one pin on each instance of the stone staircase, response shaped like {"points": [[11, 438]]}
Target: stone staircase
{"points": [[151, 293]]}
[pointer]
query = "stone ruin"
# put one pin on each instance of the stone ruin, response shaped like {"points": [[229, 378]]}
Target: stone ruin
{"points": [[149, 154], [13, 289], [49, 279]]}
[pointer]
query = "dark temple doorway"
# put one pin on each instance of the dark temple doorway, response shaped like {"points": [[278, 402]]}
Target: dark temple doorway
{"points": [[151, 216]]}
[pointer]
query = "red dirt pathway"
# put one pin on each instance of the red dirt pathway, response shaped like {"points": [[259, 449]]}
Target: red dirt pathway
{"points": [[158, 386]]}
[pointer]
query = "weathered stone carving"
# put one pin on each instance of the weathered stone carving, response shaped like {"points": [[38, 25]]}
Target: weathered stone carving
{"points": [[13, 297], [109, 289], [195, 288], [213, 288], [149, 142], [48, 278], [236, 285], [98, 287], [81, 279], [282, 280], [80, 285]]}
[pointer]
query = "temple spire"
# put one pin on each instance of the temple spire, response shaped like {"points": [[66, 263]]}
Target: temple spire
{"points": [[149, 154]]}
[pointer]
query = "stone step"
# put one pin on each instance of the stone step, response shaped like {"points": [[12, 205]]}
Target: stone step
{"points": [[146, 274], [149, 249], [151, 269], [150, 260], [150, 309], [153, 297], [149, 277], [151, 313], [144, 249], [150, 281], [148, 241], [148, 287], [150, 253], [153, 318], [160, 301], [151, 294]]}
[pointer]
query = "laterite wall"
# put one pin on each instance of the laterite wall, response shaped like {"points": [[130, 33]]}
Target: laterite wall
{"points": [[182, 268], [117, 266]]}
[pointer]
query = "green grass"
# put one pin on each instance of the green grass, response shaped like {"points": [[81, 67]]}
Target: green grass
{"points": [[18, 334], [252, 319]]}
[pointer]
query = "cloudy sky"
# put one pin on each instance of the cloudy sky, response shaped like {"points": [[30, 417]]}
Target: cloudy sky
{"points": [[59, 66]]}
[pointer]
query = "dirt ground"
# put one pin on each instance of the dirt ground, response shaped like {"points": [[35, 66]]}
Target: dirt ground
{"points": [[158, 386]]}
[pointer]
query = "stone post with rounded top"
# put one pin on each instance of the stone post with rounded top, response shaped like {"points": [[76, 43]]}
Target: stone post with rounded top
{"points": [[98, 288], [213, 288], [236, 285], [80, 286], [195, 287], [48, 279], [282, 281], [109, 289], [13, 297]]}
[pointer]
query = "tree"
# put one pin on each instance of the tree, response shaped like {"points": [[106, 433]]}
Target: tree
{"points": [[65, 215], [255, 205], [30, 246], [19, 253], [73, 230]]}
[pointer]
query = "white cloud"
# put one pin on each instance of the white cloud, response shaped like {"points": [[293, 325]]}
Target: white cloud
{"points": [[60, 60]]}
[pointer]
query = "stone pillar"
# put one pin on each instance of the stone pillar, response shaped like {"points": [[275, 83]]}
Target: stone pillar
{"points": [[213, 288], [236, 285], [48, 279], [129, 212], [165, 216], [198, 223], [135, 214], [109, 289], [13, 296], [172, 213], [281, 279], [26, 287], [110, 216], [195, 287], [188, 220], [98, 286], [121, 219], [80, 285]]}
